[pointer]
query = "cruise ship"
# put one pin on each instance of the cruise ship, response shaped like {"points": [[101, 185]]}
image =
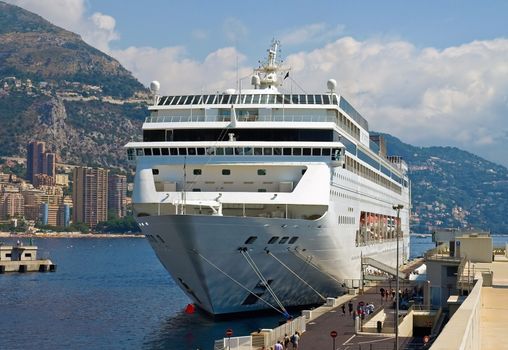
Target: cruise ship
{"points": [[264, 198]]}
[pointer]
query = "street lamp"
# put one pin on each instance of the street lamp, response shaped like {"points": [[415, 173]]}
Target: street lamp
{"points": [[397, 207]]}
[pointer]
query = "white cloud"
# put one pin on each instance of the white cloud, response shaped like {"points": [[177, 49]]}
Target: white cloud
{"points": [[179, 74], [97, 30], [454, 96], [316, 33]]}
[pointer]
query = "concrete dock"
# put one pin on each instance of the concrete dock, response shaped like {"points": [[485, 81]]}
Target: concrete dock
{"points": [[23, 258], [317, 335]]}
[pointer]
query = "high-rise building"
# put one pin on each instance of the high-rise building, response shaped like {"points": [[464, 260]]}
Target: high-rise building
{"points": [[38, 161], [90, 195], [49, 164], [34, 159], [11, 205], [117, 192]]}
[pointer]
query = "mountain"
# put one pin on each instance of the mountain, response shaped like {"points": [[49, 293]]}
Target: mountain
{"points": [[32, 48], [56, 88], [86, 106], [454, 188]]}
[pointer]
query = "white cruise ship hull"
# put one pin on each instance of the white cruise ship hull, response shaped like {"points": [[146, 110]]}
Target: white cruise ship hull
{"points": [[203, 255]]}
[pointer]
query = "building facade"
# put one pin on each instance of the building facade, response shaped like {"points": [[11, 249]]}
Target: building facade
{"points": [[39, 161], [117, 192], [90, 195]]}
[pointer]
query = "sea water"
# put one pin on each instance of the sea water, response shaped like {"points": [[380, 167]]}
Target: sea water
{"points": [[113, 294]]}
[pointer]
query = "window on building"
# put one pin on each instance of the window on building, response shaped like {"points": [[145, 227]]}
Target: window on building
{"points": [[226, 171], [196, 172], [261, 171]]}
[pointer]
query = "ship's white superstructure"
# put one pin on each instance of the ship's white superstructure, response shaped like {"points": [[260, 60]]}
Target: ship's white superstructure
{"points": [[259, 198]]}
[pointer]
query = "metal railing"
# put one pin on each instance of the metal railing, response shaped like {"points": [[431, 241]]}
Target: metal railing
{"points": [[240, 118], [264, 338]]}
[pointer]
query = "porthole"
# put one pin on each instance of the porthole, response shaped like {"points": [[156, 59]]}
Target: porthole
{"points": [[283, 240], [293, 240], [273, 240], [251, 240]]}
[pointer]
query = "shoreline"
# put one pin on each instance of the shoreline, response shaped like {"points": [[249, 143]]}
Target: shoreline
{"points": [[70, 235]]}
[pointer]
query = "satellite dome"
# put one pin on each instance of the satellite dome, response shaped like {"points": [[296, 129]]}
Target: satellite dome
{"points": [[155, 86], [255, 80], [331, 84]]}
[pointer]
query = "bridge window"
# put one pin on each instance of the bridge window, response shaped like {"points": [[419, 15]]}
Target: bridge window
{"points": [[165, 151], [148, 151], [156, 151], [182, 151]]}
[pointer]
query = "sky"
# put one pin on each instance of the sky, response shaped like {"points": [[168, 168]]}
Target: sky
{"points": [[432, 73]]}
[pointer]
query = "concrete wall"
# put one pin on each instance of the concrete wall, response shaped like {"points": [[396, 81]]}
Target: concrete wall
{"points": [[462, 332], [406, 326], [476, 249]]}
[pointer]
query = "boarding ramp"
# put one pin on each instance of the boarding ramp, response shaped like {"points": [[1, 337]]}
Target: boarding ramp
{"points": [[366, 261]]}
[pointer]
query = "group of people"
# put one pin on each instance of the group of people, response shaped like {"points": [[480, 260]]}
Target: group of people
{"points": [[287, 342], [362, 309]]}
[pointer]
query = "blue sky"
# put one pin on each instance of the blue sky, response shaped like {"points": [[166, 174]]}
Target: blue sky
{"points": [[428, 72]]}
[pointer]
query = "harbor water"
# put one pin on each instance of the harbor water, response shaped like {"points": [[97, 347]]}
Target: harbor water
{"points": [[113, 294]]}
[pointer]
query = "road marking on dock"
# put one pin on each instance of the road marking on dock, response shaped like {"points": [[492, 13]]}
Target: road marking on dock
{"points": [[347, 341], [373, 341]]}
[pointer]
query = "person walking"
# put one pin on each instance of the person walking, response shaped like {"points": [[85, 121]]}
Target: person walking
{"points": [[286, 341], [350, 307], [278, 346], [343, 307], [295, 338]]}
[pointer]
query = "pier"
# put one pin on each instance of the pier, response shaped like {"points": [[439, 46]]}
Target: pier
{"points": [[21, 258], [464, 305]]}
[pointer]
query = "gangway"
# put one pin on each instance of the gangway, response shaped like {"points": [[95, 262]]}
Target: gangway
{"points": [[366, 261]]}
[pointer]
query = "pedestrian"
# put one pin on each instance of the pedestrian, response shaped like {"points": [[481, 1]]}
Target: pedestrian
{"points": [[382, 290], [350, 307], [286, 341], [295, 338], [343, 307], [278, 346]]}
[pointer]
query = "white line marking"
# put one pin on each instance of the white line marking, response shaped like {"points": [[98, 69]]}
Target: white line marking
{"points": [[347, 341]]}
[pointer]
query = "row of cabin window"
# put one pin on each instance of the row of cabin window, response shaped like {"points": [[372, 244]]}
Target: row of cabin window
{"points": [[274, 240], [261, 172], [346, 124], [247, 151], [248, 99], [363, 171]]}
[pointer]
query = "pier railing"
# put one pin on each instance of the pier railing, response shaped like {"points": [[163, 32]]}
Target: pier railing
{"points": [[265, 338]]}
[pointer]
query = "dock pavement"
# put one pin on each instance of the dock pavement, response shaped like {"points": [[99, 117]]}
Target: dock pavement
{"points": [[317, 334]]}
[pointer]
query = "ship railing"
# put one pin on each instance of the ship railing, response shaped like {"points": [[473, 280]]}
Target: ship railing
{"points": [[240, 118]]}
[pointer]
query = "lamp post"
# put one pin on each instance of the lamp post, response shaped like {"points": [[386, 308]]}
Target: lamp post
{"points": [[397, 207]]}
